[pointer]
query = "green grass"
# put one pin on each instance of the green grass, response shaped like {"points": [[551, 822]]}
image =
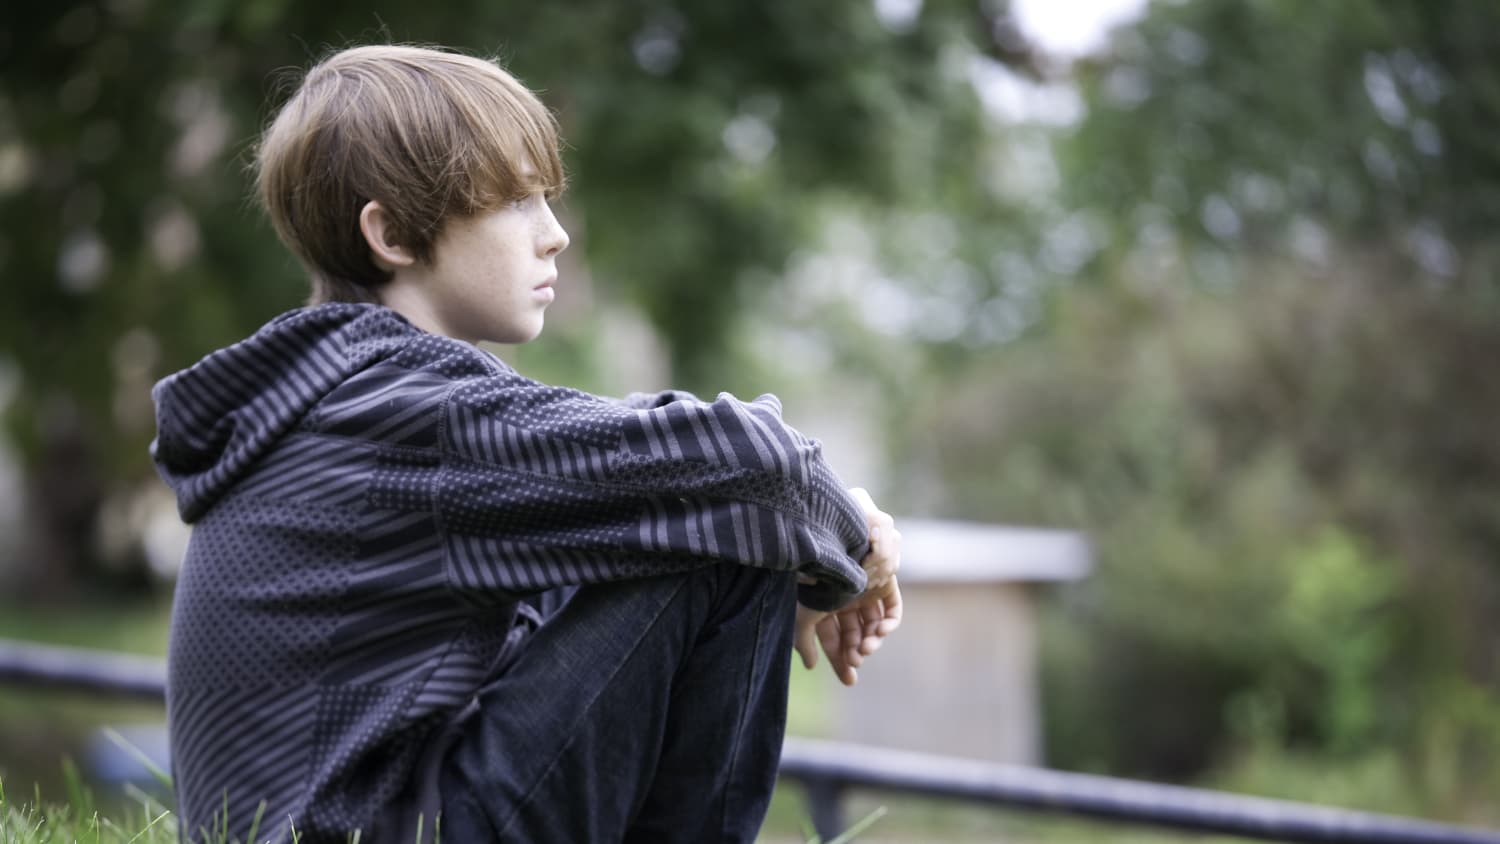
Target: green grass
{"points": [[78, 821], [145, 820]]}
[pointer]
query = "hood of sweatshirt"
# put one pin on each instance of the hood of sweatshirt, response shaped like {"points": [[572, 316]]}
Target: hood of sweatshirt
{"points": [[215, 419]]}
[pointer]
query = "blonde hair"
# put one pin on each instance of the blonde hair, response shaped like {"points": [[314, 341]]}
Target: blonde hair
{"points": [[428, 134]]}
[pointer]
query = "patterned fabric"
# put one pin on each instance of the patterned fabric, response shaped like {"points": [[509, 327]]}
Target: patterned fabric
{"points": [[370, 501]]}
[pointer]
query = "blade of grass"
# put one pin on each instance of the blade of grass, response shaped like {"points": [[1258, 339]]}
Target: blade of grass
{"points": [[260, 812], [147, 800], [864, 823], [79, 797], [147, 827], [140, 756]]}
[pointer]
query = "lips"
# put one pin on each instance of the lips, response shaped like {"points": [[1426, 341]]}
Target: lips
{"points": [[543, 292]]}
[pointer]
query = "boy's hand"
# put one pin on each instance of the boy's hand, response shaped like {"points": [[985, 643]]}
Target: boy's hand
{"points": [[849, 635], [885, 541]]}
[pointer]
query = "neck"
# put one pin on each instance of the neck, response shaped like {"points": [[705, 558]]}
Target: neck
{"points": [[402, 297]]}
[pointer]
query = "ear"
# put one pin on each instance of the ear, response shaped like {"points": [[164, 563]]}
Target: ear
{"points": [[379, 229]]}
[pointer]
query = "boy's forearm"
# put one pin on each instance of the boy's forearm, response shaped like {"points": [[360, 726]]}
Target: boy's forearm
{"points": [[647, 483], [751, 437]]}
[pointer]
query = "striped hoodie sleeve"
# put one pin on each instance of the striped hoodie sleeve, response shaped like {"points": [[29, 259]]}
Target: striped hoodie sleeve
{"points": [[543, 486]]}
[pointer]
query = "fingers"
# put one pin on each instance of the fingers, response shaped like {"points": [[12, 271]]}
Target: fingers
{"points": [[870, 616], [805, 641], [850, 635], [830, 636], [891, 604]]}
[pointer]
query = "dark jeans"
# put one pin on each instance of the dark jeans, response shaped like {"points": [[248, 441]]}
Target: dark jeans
{"points": [[646, 710]]}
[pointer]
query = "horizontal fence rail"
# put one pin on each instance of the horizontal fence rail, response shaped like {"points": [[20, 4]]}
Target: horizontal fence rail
{"points": [[78, 669], [828, 769]]}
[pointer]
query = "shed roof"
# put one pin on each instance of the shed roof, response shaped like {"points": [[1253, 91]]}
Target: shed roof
{"points": [[944, 551]]}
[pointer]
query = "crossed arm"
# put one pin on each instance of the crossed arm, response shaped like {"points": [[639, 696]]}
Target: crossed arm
{"points": [[854, 632], [850, 634]]}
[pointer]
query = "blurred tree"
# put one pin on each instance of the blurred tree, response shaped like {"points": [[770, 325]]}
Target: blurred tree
{"points": [[1264, 387], [699, 132]]}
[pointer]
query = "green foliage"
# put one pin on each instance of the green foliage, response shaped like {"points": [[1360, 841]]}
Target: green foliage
{"points": [[1333, 622], [1254, 128], [1263, 394], [698, 133], [1263, 580], [1375, 780]]}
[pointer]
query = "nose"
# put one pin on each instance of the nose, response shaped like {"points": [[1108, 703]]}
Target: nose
{"points": [[554, 238]]}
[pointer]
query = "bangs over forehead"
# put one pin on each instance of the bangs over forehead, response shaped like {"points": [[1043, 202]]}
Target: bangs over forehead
{"points": [[504, 142]]}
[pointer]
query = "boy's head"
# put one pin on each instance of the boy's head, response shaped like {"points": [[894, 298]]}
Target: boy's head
{"points": [[430, 136]]}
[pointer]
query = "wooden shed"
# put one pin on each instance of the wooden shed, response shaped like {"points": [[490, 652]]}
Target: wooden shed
{"points": [[960, 676]]}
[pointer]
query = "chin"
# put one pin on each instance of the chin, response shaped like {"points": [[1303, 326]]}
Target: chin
{"points": [[524, 335]]}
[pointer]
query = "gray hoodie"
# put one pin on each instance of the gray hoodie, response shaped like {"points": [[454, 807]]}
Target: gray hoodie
{"points": [[370, 503]]}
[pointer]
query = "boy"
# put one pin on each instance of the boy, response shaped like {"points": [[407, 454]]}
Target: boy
{"points": [[420, 583]]}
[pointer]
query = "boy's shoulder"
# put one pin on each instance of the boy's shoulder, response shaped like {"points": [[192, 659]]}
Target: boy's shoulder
{"points": [[393, 367]]}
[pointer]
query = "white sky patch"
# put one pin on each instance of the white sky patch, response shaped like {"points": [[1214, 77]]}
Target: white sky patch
{"points": [[1011, 97], [1075, 27], [1063, 30], [898, 15]]}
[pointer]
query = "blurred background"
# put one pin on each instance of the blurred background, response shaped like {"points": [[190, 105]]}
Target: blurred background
{"points": [[1212, 283]]}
